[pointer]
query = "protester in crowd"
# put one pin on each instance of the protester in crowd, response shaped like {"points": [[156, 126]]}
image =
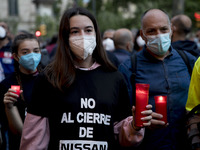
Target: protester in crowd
{"points": [[109, 46], [194, 95], [138, 42], [108, 42], [182, 25], [123, 40], [193, 101], [27, 55], [80, 96], [6, 60], [161, 66], [45, 58]]}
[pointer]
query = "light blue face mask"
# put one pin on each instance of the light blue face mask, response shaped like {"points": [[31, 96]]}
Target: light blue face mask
{"points": [[159, 44], [30, 61]]}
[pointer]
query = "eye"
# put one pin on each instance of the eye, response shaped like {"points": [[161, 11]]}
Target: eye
{"points": [[150, 32], [164, 30], [89, 30], [24, 53], [74, 32], [36, 50]]}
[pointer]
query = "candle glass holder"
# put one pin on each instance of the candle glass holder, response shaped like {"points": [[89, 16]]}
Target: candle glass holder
{"points": [[141, 100], [161, 106], [16, 88]]}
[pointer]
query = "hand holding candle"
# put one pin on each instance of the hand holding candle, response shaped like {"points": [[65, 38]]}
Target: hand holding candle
{"points": [[16, 88], [142, 97], [161, 106]]}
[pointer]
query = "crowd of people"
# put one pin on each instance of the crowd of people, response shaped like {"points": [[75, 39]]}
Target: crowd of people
{"points": [[78, 91]]}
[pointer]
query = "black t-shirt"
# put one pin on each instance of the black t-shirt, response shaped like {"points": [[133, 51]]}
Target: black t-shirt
{"points": [[82, 116]]}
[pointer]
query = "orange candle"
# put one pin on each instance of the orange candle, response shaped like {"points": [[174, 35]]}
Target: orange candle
{"points": [[161, 106]]}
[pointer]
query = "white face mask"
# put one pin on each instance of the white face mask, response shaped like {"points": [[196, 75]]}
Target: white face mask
{"points": [[159, 44], [108, 44], [2, 32], [82, 46], [140, 41]]}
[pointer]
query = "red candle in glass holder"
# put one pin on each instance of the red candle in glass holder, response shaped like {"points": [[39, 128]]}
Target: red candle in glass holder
{"points": [[161, 106], [16, 88], [141, 100]]}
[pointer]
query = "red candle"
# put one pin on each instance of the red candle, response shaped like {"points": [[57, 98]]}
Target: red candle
{"points": [[142, 98], [161, 106], [16, 88]]}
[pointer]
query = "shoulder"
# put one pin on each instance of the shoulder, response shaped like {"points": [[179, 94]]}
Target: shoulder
{"points": [[197, 64], [125, 65], [10, 79], [41, 78], [192, 59], [188, 54]]}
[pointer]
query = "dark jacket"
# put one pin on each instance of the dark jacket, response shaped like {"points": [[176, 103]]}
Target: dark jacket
{"points": [[188, 46], [169, 77]]}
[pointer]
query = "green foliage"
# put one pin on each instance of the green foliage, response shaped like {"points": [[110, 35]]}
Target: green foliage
{"points": [[143, 6], [56, 8], [109, 16], [192, 6]]}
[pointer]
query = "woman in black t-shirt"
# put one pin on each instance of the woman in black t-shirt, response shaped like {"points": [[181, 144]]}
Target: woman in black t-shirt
{"points": [[81, 101]]}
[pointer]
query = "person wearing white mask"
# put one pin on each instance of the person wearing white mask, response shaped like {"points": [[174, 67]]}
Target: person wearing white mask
{"points": [[81, 101], [161, 66], [6, 59], [27, 56], [108, 42]]}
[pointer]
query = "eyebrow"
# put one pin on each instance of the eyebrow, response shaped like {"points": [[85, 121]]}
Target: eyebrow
{"points": [[78, 27], [29, 49]]}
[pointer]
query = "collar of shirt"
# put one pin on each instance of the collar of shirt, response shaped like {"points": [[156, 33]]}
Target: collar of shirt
{"points": [[94, 66], [147, 54]]}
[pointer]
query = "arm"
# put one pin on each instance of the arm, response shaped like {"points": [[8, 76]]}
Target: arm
{"points": [[12, 113], [128, 134], [193, 118], [36, 134]]}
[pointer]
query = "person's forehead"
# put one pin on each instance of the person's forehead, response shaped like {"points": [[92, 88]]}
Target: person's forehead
{"points": [[80, 21], [155, 19], [29, 42], [109, 34]]}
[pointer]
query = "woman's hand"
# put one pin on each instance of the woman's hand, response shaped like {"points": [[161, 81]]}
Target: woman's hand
{"points": [[10, 98], [147, 117]]}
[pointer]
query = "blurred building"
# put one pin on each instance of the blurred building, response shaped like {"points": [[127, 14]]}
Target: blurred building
{"points": [[21, 14]]}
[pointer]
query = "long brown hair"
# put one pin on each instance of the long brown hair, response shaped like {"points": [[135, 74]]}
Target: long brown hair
{"points": [[61, 72]]}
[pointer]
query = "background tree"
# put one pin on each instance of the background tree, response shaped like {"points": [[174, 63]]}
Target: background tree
{"points": [[110, 13]]}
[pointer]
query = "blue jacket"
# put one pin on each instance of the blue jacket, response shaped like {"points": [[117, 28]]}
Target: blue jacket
{"points": [[121, 54], [168, 77], [188, 46]]}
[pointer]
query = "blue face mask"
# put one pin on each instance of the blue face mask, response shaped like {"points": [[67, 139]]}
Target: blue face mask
{"points": [[159, 44], [30, 61]]}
